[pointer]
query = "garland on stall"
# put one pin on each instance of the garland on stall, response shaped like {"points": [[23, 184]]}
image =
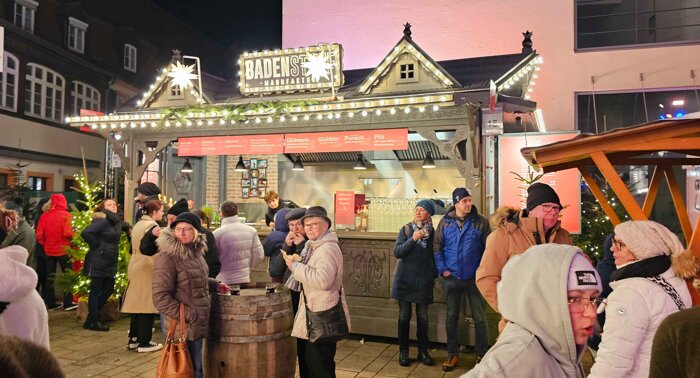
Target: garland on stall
{"points": [[235, 112]]}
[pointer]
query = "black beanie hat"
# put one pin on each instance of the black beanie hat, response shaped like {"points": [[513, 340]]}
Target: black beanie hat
{"points": [[179, 207], [148, 189], [190, 218], [539, 193]]}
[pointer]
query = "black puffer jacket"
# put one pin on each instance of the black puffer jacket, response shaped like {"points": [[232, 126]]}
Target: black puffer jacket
{"points": [[102, 235]]}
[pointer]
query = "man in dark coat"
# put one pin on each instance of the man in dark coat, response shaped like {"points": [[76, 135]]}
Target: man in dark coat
{"points": [[145, 192], [272, 246]]}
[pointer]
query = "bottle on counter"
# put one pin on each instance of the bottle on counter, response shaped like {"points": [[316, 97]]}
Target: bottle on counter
{"points": [[358, 218], [364, 219]]}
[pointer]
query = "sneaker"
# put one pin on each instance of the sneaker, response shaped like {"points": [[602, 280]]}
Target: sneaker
{"points": [[151, 347], [54, 307], [71, 307], [132, 344], [451, 362]]}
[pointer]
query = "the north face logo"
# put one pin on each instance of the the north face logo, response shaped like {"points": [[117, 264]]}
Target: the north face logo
{"points": [[586, 277]]}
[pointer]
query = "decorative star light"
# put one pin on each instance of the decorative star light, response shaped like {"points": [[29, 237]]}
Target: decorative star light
{"points": [[317, 66], [182, 75]]}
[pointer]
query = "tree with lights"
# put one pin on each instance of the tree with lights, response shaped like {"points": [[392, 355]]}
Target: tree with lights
{"points": [[75, 281]]}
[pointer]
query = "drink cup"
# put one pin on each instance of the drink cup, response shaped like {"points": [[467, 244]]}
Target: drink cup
{"points": [[235, 289]]}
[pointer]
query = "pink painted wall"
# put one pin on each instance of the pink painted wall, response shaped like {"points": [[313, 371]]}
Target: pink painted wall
{"points": [[452, 29]]}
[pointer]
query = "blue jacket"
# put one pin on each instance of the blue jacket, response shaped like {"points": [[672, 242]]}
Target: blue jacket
{"points": [[459, 249], [274, 242]]}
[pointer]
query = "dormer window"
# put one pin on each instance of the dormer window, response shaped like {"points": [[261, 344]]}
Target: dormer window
{"points": [[175, 93], [76, 35], [407, 72], [24, 14]]}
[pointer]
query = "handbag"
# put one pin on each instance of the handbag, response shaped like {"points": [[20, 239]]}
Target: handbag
{"points": [[175, 361], [327, 326]]}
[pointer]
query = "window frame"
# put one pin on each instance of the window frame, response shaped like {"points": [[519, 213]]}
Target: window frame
{"points": [[414, 71], [130, 61], [3, 84], [27, 7], [80, 28], [83, 95], [31, 80]]}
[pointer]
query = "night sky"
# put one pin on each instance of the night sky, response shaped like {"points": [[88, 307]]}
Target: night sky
{"points": [[243, 25]]}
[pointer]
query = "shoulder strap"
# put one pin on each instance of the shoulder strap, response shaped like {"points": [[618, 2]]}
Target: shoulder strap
{"points": [[407, 230], [669, 289], [183, 325]]}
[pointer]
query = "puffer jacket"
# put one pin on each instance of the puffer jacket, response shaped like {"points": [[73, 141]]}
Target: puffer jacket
{"points": [[414, 278], [25, 316], [538, 341], [636, 307], [515, 234], [181, 275], [102, 235], [239, 250], [54, 231], [458, 249], [321, 278]]}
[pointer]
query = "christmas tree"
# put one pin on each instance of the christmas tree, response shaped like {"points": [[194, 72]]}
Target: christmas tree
{"points": [[77, 282]]}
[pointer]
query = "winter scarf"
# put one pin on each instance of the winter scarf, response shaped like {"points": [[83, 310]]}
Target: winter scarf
{"points": [[650, 267], [427, 227], [305, 256]]}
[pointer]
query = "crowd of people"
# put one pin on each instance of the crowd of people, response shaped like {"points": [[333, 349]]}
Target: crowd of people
{"points": [[633, 311]]}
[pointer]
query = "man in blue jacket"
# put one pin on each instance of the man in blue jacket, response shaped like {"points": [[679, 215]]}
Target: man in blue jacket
{"points": [[459, 243]]}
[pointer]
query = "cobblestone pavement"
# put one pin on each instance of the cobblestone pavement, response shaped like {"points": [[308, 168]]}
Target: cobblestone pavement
{"points": [[84, 353]]}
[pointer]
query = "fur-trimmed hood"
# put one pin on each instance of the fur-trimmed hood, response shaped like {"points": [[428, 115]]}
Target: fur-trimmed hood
{"points": [[502, 215], [168, 244]]}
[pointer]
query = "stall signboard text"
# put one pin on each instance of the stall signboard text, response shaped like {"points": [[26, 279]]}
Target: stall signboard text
{"points": [[514, 192], [346, 141], [291, 70], [231, 145], [344, 209]]}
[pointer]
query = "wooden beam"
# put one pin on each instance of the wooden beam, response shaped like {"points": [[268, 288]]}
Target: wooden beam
{"points": [[678, 203], [608, 171], [670, 144], [599, 195], [694, 244], [653, 191]]}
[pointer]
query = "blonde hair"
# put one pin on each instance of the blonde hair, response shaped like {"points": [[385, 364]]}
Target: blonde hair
{"points": [[8, 219]]}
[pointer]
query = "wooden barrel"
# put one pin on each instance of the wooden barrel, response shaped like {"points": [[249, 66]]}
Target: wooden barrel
{"points": [[250, 334]]}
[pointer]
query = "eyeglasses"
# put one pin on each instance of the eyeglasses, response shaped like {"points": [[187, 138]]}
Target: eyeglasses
{"points": [[548, 208], [578, 305], [619, 244], [312, 225], [184, 229]]}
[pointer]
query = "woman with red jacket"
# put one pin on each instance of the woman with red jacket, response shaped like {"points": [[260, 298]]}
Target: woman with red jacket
{"points": [[54, 233]]}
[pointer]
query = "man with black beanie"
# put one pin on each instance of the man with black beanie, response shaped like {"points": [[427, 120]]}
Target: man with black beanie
{"points": [[145, 192], [516, 231]]}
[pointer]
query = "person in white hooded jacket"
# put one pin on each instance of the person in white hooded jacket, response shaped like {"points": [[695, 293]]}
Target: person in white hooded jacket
{"points": [[239, 247], [648, 285], [537, 290], [22, 311]]}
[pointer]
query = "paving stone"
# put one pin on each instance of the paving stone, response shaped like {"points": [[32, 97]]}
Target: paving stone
{"points": [[354, 363]]}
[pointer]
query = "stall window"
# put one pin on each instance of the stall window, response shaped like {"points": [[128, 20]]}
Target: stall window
{"points": [[635, 22], [84, 96], [24, 14], [76, 35], [44, 90], [130, 57], [8, 84]]}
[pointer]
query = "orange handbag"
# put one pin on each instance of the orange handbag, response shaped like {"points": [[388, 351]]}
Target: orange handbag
{"points": [[175, 361]]}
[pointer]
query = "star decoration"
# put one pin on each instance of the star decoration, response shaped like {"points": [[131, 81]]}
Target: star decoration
{"points": [[317, 66], [182, 75]]}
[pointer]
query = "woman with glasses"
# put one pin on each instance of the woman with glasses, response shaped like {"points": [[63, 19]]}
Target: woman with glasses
{"points": [[414, 279], [538, 289], [647, 286], [138, 299], [180, 276], [318, 273]]}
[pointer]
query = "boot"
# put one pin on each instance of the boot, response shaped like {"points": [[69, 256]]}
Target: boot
{"points": [[98, 326], [403, 358], [425, 358]]}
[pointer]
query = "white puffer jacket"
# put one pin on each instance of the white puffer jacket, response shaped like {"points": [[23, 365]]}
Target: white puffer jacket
{"points": [[239, 250], [635, 309]]}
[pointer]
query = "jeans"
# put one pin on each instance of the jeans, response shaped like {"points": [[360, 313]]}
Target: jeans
{"points": [[195, 349], [101, 288], [320, 359], [405, 325], [454, 291], [49, 291]]}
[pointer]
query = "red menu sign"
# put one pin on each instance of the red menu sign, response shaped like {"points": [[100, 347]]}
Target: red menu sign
{"points": [[343, 141], [231, 145], [514, 193], [345, 207]]}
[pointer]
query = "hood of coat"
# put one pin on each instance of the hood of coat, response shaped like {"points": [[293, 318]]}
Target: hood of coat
{"points": [[58, 202], [280, 223], [17, 280], [502, 215], [538, 302], [168, 244]]}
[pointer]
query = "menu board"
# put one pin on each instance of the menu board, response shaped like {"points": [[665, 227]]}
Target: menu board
{"points": [[254, 178], [344, 207], [231, 145], [514, 192], [362, 140]]}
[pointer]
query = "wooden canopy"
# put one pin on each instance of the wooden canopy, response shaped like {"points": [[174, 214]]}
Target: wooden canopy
{"points": [[661, 144]]}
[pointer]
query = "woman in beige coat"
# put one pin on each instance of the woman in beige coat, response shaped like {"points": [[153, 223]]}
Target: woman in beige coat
{"points": [[138, 299], [320, 275]]}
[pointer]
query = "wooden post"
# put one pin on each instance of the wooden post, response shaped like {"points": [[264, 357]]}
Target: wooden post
{"points": [[653, 191], [599, 195], [608, 171], [679, 203]]}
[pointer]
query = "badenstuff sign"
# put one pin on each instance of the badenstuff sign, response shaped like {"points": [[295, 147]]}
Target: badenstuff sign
{"points": [[301, 69]]}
